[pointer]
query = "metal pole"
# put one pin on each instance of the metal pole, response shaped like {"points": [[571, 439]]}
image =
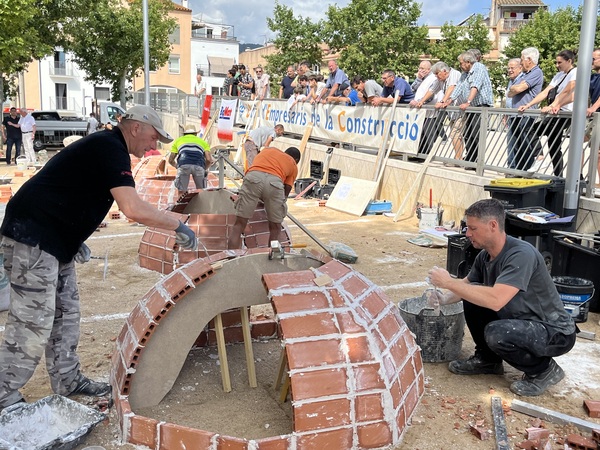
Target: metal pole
{"points": [[588, 30], [146, 54]]}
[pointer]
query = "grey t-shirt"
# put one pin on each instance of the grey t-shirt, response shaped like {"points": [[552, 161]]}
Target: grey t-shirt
{"points": [[372, 88], [520, 265], [260, 135]]}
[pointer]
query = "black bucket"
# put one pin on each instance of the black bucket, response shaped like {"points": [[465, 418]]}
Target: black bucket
{"points": [[575, 294], [439, 336]]}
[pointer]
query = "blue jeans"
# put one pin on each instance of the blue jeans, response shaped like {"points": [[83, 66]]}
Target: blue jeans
{"points": [[9, 145]]}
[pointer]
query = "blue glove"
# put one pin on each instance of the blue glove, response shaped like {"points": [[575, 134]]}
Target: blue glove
{"points": [[83, 255], [185, 237]]}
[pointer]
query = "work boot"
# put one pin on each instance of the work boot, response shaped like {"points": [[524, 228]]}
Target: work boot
{"points": [[85, 386], [532, 385], [475, 365]]}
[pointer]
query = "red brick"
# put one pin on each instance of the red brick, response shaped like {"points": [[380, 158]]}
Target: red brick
{"points": [[399, 352], [529, 444], [389, 327], [143, 431], [176, 437], [401, 421], [373, 304], [592, 408], [480, 432], [407, 375], [335, 269], [318, 383], [396, 392], [320, 415], [140, 324], [338, 300], [340, 439], [367, 377], [314, 353], [535, 433], [410, 401], [263, 329], [303, 301], [155, 303], [176, 285], [358, 349], [581, 443], [274, 443], [308, 325], [231, 443], [355, 286], [375, 435], [369, 408], [348, 324]]}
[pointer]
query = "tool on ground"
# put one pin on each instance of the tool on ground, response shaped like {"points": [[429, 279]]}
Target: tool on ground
{"points": [[105, 259], [417, 184], [337, 250], [277, 249]]}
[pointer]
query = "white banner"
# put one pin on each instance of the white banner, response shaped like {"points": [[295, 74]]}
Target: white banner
{"points": [[358, 125], [225, 122]]}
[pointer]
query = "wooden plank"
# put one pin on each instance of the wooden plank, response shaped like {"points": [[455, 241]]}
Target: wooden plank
{"points": [[222, 353], [552, 416], [385, 139], [417, 184], [305, 137], [352, 195], [248, 347], [306, 189], [384, 165], [499, 424]]}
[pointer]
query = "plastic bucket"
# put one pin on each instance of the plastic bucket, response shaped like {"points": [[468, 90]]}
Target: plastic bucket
{"points": [[21, 163], [575, 294], [439, 336]]}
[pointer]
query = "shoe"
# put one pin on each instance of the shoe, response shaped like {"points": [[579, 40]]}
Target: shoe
{"points": [[531, 386], [475, 365], [85, 386]]}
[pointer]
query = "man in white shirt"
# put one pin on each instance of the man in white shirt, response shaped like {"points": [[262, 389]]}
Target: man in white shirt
{"points": [[200, 86], [261, 84], [92, 124], [27, 126]]}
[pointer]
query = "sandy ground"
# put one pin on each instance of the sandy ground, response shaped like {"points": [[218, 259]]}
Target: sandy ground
{"points": [[442, 419]]}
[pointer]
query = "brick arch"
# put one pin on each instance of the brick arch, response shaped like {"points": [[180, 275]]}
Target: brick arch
{"points": [[355, 370]]}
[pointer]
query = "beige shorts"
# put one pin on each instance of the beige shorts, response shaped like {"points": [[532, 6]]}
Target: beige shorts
{"points": [[261, 186]]}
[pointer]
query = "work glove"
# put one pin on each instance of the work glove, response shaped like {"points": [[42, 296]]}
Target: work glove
{"points": [[185, 237], [83, 255], [434, 298]]}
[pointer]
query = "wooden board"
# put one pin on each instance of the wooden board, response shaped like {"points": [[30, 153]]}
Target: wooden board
{"points": [[352, 195]]}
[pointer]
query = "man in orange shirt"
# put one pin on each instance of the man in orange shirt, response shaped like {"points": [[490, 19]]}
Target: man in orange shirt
{"points": [[270, 180]]}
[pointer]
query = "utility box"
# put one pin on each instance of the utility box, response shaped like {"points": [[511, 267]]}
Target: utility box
{"points": [[461, 255]]}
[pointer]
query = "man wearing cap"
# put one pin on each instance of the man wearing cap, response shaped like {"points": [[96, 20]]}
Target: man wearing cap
{"points": [[43, 234], [191, 156], [258, 138], [270, 180]]}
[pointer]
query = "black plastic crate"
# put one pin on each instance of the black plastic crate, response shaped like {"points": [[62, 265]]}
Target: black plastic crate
{"points": [[324, 192], [461, 255], [316, 169], [302, 183], [575, 260], [333, 176]]}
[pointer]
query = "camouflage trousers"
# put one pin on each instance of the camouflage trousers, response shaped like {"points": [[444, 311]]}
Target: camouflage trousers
{"points": [[43, 317]]}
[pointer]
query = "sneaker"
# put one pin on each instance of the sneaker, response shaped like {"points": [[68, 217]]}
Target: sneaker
{"points": [[531, 386], [475, 365], [85, 386]]}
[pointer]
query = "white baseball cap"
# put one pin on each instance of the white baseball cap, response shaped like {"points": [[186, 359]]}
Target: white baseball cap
{"points": [[145, 114]]}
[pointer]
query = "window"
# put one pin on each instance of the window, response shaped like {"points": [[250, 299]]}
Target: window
{"points": [[174, 64], [60, 89], [60, 63], [209, 33], [102, 93], [174, 36]]}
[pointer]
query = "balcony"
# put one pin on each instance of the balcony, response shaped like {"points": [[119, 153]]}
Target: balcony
{"points": [[511, 25], [66, 103], [62, 69]]}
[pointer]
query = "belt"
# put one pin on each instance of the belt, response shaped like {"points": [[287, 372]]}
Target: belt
{"points": [[25, 132]]}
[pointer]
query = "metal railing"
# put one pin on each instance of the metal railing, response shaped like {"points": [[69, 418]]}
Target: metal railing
{"points": [[498, 140]]}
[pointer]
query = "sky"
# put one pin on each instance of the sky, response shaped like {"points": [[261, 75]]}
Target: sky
{"points": [[250, 25]]}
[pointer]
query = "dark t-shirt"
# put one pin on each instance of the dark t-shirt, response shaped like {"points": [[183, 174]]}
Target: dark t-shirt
{"points": [[520, 265], [288, 90], [594, 87], [63, 204], [12, 132]]}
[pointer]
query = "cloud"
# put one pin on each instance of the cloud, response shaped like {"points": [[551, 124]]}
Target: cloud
{"points": [[250, 18]]}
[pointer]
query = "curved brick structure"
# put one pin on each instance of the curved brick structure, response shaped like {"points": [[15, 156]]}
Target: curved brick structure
{"points": [[151, 166], [160, 191], [355, 369], [211, 216]]}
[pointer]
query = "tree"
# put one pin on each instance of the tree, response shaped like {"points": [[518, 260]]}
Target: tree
{"points": [[297, 39], [457, 39], [108, 42], [374, 35], [550, 33]]}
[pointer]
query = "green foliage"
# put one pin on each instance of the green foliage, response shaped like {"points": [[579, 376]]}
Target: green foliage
{"points": [[297, 40], [374, 35], [550, 32], [108, 42], [457, 39], [498, 77]]}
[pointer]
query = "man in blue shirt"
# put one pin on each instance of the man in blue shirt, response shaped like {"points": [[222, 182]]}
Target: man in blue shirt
{"points": [[391, 84], [526, 143], [336, 83]]}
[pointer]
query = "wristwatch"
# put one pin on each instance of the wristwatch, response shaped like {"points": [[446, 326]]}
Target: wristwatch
{"points": [[468, 102]]}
